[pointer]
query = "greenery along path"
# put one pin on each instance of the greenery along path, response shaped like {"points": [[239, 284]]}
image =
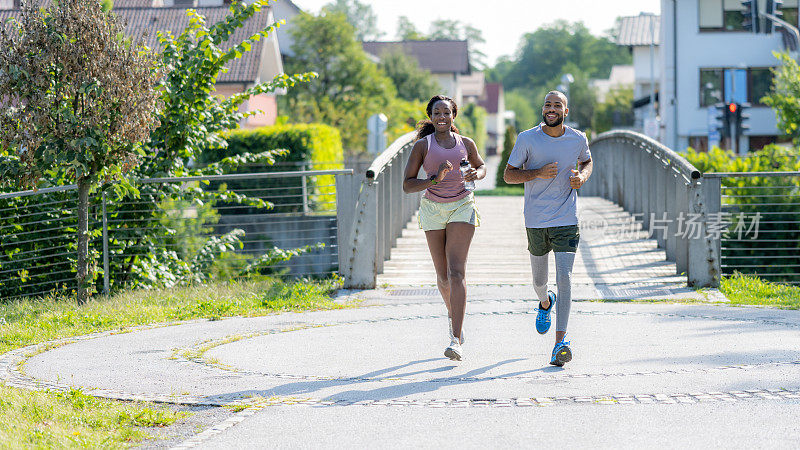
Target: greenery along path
{"points": [[74, 419]]}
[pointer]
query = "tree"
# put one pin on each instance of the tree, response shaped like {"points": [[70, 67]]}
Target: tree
{"points": [[508, 146], [543, 55], [443, 29], [471, 121], [615, 111], [784, 96], [412, 82], [527, 110], [407, 31], [350, 86], [361, 17], [194, 120], [82, 99], [194, 117]]}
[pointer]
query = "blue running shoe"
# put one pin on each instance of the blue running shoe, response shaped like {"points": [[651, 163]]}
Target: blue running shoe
{"points": [[561, 354], [543, 318]]}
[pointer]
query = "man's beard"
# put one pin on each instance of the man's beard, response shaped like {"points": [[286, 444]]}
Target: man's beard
{"points": [[558, 121]]}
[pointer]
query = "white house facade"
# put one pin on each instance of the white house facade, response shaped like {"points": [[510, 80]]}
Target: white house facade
{"points": [[641, 34], [708, 57]]}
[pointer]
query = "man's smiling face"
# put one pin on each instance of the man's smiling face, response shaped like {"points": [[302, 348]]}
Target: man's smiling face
{"points": [[554, 109]]}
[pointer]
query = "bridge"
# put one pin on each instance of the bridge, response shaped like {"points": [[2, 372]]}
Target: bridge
{"points": [[652, 224]]}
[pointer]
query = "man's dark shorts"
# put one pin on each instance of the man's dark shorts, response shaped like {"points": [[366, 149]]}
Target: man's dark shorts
{"points": [[557, 239]]}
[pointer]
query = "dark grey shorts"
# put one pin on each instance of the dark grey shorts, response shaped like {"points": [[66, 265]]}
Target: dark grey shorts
{"points": [[557, 239]]}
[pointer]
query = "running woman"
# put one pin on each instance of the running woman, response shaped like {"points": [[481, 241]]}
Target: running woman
{"points": [[544, 158], [447, 211]]}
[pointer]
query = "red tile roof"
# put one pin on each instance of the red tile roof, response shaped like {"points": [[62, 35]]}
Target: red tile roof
{"points": [[147, 22]]}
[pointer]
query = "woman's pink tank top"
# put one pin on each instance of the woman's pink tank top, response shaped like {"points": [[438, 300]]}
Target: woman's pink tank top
{"points": [[451, 188]]}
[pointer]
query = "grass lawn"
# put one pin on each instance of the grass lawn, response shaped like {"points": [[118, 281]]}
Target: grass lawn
{"points": [[49, 419], [501, 191], [749, 290]]}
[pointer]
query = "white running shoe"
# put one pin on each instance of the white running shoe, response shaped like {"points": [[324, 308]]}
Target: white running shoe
{"points": [[452, 336], [453, 351]]}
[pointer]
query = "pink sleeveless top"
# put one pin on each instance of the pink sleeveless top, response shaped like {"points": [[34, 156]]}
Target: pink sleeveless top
{"points": [[451, 188]]}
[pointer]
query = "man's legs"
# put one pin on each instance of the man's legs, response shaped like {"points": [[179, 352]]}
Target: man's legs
{"points": [[539, 272], [564, 264]]}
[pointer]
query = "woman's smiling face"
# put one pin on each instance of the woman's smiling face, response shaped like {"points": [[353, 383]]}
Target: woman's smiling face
{"points": [[442, 116]]}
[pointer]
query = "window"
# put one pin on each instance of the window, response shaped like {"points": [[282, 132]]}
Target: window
{"points": [[721, 15], [759, 82], [183, 3], [710, 86], [733, 13]]}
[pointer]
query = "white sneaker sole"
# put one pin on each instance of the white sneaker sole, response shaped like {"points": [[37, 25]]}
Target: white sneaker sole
{"points": [[452, 354]]}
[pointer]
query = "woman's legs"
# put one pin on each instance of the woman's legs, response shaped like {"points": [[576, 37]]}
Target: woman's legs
{"points": [[436, 244], [458, 239]]}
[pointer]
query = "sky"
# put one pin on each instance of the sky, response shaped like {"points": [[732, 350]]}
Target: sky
{"points": [[503, 22]]}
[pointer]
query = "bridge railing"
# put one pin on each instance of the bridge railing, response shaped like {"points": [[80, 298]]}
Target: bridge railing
{"points": [[373, 212], [665, 191]]}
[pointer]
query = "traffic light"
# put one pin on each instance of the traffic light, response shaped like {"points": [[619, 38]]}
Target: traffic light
{"points": [[740, 118], [723, 120], [751, 17]]}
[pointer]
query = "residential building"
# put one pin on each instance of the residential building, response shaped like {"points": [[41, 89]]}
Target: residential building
{"points": [[263, 62], [447, 61], [285, 10], [493, 101], [473, 87], [708, 57], [642, 35], [621, 76]]}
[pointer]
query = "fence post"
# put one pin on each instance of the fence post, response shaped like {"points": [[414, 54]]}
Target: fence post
{"points": [[702, 252], [363, 251], [709, 269], [682, 199], [305, 189], [106, 275], [346, 198]]}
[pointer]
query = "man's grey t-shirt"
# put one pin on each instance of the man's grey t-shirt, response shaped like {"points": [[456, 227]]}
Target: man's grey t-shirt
{"points": [[550, 203]]}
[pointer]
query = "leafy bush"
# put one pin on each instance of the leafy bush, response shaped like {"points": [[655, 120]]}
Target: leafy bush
{"points": [[318, 146]]}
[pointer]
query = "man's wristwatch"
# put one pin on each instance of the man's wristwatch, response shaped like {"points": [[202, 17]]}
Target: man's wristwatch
{"points": [[433, 179]]}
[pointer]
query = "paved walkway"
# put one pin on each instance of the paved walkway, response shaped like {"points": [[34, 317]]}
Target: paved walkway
{"points": [[615, 259], [665, 374]]}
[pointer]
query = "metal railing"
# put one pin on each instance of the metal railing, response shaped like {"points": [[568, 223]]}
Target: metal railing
{"points": [[380, 210], [38, 229], [710, 224], [654, 183], [755, 217]]}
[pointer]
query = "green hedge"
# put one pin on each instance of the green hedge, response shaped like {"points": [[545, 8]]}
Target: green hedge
{"points": [[320, 146]]}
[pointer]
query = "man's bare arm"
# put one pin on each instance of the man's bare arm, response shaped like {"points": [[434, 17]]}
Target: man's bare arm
{"points": [[513, 175]]}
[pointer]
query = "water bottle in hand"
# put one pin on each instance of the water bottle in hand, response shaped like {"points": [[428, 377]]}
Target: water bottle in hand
{"points": [[468, 185]]}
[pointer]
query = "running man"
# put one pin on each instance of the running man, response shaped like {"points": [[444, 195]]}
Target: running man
{"points": [[447, 212], [544, 158]]}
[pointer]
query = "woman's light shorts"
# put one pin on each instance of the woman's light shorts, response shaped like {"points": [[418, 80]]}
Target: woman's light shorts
{"points": [[436, 215]]}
